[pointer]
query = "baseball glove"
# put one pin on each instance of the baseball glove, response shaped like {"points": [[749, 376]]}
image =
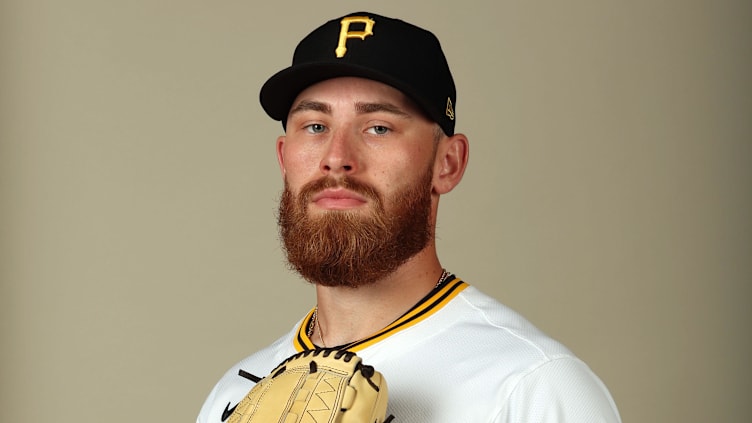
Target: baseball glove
{"points": [[318, 386]]}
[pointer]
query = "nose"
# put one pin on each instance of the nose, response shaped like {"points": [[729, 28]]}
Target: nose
{"points": [[341, 156]]}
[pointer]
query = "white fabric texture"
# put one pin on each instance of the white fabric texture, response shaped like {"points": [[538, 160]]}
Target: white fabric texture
{"points": [[471, 360]]}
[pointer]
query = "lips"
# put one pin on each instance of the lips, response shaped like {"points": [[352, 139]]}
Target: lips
{"points": [[338, 199]]}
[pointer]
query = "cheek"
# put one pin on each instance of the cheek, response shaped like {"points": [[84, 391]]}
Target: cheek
{"points": [[407, 166], [400, 174], [299, 165]]}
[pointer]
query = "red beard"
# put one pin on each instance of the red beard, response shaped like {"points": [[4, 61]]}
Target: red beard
{"points": [[343, 248]]}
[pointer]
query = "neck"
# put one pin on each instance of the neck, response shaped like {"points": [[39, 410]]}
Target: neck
{"points": [[349, 314]]}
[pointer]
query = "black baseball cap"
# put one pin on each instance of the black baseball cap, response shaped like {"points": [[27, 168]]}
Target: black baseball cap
{"points": [[371, 46]]}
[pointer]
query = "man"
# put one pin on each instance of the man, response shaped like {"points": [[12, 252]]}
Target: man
{"points": [[369, 147]]}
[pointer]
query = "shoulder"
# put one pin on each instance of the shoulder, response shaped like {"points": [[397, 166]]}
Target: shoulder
{"points": [[493, 323], [562, 389], [543, 380]]}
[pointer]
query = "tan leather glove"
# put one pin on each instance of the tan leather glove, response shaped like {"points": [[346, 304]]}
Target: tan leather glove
{"points": [[317, 386]]}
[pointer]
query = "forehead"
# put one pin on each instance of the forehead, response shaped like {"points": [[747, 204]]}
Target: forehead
{"points": [[353, 90]]}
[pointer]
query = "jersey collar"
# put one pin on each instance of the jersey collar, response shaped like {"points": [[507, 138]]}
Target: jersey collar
{"points": [[429, 305]]}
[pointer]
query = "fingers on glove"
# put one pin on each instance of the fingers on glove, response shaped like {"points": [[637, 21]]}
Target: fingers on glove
{"points": [[291, 418], [349, 398]]}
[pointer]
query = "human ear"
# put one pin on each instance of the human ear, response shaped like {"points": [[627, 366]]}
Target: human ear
{"points": [[452, 155], [281, 154]]}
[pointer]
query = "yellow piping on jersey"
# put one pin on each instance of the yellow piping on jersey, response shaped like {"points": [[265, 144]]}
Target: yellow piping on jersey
{"points": [[425, 308]]}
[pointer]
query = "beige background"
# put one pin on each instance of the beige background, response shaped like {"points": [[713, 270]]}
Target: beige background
{"points": [[608, 196]]}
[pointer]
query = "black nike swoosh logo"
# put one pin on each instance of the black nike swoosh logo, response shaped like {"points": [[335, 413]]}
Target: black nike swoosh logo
{"points": [[228, 411]]}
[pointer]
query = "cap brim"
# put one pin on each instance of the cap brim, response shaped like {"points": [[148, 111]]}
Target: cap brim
{"points": [[279, 92]]}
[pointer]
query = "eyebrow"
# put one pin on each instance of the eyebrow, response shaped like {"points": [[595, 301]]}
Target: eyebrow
{"points": [[309, 105], [360, 107], [380, 107]]}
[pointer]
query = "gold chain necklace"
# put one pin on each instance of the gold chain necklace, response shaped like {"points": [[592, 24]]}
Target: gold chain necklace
{"points": [[315, 320]]}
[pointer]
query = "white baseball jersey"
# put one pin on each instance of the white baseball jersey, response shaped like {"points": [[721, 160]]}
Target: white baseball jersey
{"points": [[456, 356]]}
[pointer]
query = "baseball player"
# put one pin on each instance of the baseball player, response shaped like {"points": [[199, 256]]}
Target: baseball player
{"points": [[368, 108]]}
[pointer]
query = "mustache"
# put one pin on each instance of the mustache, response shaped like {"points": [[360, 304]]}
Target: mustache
{"points": [[310, 189]]}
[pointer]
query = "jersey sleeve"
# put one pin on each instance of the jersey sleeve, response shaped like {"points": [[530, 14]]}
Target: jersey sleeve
{"points": [[561, 390], [203, 413]]}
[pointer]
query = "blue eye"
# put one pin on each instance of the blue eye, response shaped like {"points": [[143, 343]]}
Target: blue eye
{"points": [[378, 130], [315, 128]]}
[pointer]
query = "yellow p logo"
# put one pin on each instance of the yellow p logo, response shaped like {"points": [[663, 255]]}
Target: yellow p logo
{"points": [[345, 33]]}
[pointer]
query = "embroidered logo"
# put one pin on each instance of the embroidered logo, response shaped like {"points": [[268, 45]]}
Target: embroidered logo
{"points": [[449, 109], [345, 33], [228, 411]]}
